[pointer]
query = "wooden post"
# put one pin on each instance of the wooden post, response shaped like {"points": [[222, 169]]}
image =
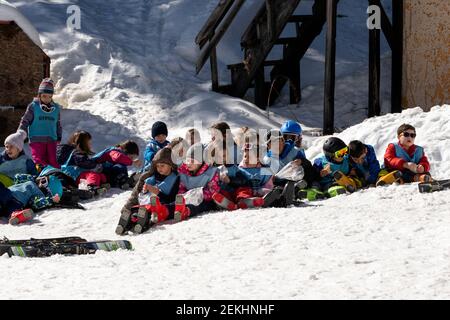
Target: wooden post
{"points": [[260, 89], [374, 71], [330, 68], [214, 70], [270, 19], [397, 56]]}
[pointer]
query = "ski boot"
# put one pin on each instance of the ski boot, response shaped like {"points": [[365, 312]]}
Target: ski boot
{"points": [[254, 202], [272, 196], [389, 178], [181, 211], [22, 216], [344, 181], [224, 202], [287, 196], [311, 194], [159, 211], [335, 191], [142, 219]]}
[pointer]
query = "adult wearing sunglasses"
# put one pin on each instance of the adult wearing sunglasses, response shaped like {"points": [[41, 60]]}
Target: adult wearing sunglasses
{"points": [[407, 157]]}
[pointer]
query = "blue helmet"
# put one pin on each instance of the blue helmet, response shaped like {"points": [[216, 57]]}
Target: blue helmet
{"points": [[55, 186], [291, 127]]}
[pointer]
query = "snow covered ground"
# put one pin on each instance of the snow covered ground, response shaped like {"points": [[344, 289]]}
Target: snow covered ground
{"points": [[131, 64]]}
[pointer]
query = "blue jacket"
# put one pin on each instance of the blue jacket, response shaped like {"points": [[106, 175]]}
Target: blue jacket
{"points": [[370, 168], [167, 185], [150, 150], [22, 164], [290, 153], [322, 161], [255, 177]]}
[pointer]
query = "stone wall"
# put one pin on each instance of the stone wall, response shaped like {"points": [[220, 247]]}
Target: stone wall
{"points": [[21, 66], [9, 122], [426, 58]]}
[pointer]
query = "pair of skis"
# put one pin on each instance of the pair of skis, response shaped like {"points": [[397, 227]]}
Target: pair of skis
{"points": [[439, 185], [65, 246]]}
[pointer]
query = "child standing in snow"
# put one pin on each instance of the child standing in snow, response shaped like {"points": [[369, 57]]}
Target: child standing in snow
{"points": [[406, 157], [28, 192], [115, 161], [13, 160], [159, 141], [42, 121], [363, 162], [75, 161]]}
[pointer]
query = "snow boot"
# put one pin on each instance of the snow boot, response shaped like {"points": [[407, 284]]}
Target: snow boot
{"points": [[311, 194], [181, 211], [124, 222], [336, 190], [287, 196], [22, 216], [389, 178], [254, 202], [272, 196], [160, 212], [142, 219], [344, 181], [224, 202]]}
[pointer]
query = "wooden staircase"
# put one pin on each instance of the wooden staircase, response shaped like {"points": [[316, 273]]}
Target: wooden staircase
{"points": [[257, 41]]}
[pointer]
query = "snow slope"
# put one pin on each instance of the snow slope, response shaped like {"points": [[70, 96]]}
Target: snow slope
{"points": [[132, 64]]}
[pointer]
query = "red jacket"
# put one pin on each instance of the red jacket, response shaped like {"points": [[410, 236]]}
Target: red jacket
{"points": [[116, 157], [209, 189], [391, 161]]}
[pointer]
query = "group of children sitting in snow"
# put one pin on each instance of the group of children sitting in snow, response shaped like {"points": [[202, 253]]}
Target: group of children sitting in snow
{"points": [[185, 177]]}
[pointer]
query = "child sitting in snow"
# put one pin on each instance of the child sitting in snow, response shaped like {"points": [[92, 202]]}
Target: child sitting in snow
{"points": [[74, 158], [363, 162], [42, 121], [115, 161], [245, 187], [159, 141], [222, 150], [406, 158], [13, 160], [28, 192], [334, 168], [162, 184]]}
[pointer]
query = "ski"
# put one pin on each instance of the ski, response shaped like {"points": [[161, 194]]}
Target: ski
{"points": [[78, 247], [438, 185]]}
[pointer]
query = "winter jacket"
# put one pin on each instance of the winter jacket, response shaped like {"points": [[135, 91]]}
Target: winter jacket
{"points": [[28, 193], [256, 178], [322, 161], [290, 153], [396, 156], [167, 185], [22, 164], [79, 158], [42, 126], [370, 168], [113, 156], [206, 177], [150, 150]]}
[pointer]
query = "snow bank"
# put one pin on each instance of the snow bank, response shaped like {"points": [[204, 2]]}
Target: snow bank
{"points": [[433, 133], [8, 12]]}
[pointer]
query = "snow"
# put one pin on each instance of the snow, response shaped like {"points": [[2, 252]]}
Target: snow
{"points": [[132, 64], [8, 12]]}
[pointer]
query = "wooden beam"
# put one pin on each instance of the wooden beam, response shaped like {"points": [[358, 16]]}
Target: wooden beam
{"points": [[386, 25], [216, 17], [374, 73], [205, 54], [260, 89], [330, 68], [214, 70], [397, 56], [270, 19]]}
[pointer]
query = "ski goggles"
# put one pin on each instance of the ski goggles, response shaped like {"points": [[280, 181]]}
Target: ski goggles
{"points": [[408, 134], [341, 153], [291, 136]]}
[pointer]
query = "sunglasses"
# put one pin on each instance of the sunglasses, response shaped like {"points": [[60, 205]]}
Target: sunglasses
{"points": [[341, 153], [407, 135]]}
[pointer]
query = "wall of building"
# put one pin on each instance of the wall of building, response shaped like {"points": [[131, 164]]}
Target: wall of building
{"points": [[426, 56]]}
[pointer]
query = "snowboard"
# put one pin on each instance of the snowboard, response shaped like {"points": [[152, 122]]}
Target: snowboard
{"points": [[65, 246], [438, 185]]}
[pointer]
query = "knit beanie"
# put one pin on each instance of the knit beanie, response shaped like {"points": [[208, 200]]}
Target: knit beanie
{"points": [[159, 128], [46, 86], [196, 152], [16, 139], [164, 156]]}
